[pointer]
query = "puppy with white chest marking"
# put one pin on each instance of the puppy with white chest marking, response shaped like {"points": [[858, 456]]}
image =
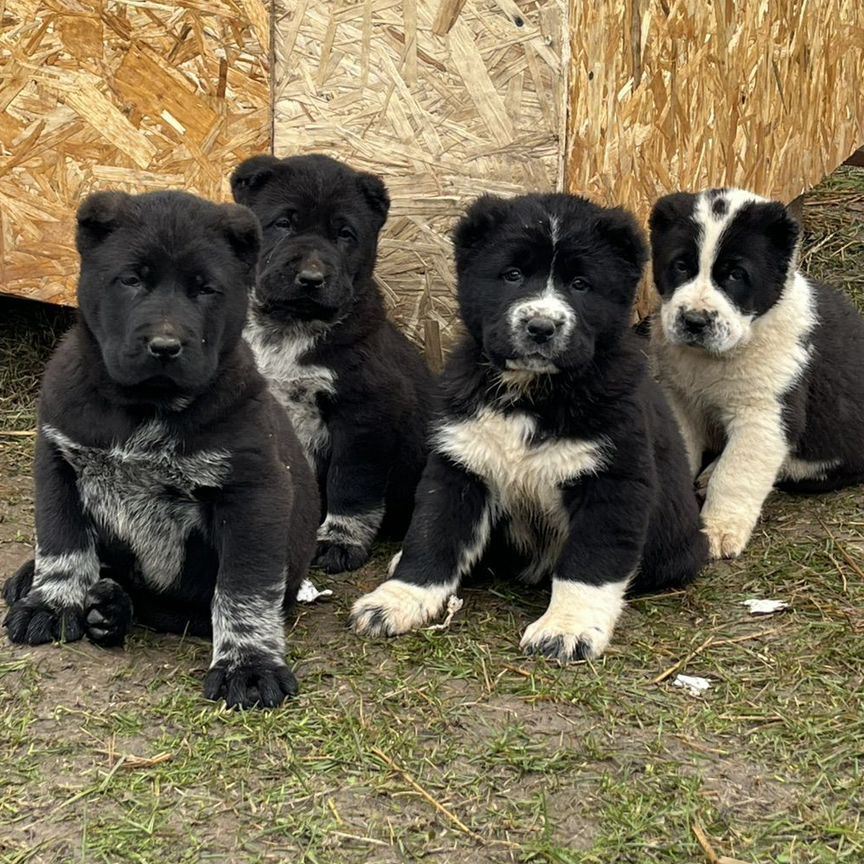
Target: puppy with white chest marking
{"points": [[762, 366], [170, 487], [554, 453], [355, 388]]}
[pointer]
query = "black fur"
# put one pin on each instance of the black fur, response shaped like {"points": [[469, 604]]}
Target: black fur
{"points": [[152, 415], [366, 385], [637, 510]]}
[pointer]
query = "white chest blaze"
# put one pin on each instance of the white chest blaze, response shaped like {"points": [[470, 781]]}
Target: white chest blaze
{"points": [[142, 493], [524, 478], [297, 386]]}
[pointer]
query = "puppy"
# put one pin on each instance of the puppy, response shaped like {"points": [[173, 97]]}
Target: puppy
{"points": [[761, 365], [355, 388], [169, 483], [553, 453]]}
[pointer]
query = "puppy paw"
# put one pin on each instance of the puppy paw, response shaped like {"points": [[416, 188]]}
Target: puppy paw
{"points": [[257, 683], [339, 557], [396, 607], [107, 613], [31, 621], [19, 585], [579, 622], [726, 539]]}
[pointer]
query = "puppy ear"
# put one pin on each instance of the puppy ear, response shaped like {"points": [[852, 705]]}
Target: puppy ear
{"points": [[677, 207], [782, 228], [376, 195], [99, 215], [619, 227], [484, 215], [243, 232], [249, 177]]}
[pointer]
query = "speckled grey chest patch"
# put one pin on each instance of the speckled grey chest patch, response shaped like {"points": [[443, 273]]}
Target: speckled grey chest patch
{"points": [[142, 493]]}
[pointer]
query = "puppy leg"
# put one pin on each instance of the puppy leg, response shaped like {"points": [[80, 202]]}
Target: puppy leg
{"points": [[741, 481], [608, 527], [360, 465], [248, 668], [66, 563], [691, 427], [450, 529]]}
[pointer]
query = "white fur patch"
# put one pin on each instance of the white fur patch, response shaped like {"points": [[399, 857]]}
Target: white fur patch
{"points": [[579, 621], [524, 479], [295, 384], [359, 530], [141, 492], [550, 304], [247, 627], [794, 470], [63, 580], [396, 607]]}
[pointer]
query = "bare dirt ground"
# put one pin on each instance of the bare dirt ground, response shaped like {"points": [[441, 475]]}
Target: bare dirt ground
{"points": [[450, 746]]}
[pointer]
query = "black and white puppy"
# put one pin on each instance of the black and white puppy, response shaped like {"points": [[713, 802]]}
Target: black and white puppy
{"points": [[761, 365], [553, 447], [169, 483], [355, 388]]}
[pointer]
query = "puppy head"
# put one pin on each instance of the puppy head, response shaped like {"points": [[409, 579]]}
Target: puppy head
{"points": [[320, 221], [721, 260], [164, 284], [546, 280]]}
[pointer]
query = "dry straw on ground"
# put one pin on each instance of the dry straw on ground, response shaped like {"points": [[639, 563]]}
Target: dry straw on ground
{"points": [[444, 99], [138, 96], [669, 94]]}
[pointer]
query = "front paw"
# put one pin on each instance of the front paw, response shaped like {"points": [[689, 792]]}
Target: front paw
{"points": [[31, 621], [339, 557], [256, 683], [19, 584], [727, 538], [107, 613], [396, 607]]}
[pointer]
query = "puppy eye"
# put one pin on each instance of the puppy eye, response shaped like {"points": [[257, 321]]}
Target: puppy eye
{"points": [[346, 233], [514, 274], [284, 222], [737, 274], [130, 280], [198, 290], [580, 284], [679, 265]]}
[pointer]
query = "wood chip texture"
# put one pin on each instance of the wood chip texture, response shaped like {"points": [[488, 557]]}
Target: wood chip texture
{"points": [[139, 96]]}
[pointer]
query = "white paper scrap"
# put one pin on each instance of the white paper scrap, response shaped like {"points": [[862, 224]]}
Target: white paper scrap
{"points": [[765, 607], [308, 593], [694, 685], [454, 604]]}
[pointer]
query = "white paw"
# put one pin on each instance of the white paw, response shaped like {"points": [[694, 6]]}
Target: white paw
{"points": [[579, 622], [727, 538], [704, 479], [396, 607]]}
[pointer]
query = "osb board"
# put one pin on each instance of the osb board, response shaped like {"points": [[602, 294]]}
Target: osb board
{"points": [[445, 100], [671, 94], [141, 95]]}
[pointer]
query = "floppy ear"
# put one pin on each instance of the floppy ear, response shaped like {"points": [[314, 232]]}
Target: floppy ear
{"points": [[99, 215], [250, 176], [485, 214], [376, 195], [782, 229], [621, 229], [243, 232], [677, 207]]}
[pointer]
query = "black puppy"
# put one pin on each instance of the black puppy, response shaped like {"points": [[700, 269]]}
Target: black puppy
{"points": [[355, 388], [553, 447], [169, 483]]}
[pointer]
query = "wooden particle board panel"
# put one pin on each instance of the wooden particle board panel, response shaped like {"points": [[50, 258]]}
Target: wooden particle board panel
{"points": [[138, 96]]}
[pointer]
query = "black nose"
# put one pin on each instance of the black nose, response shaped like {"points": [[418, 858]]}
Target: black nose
{"points": [[310, 279], [540, 330], [165, 347], [695, 322]]}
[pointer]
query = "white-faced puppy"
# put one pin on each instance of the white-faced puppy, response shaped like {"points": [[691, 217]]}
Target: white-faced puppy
{"points": [[355, 388], [761, 365], [170, 486], [554, 453]]}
